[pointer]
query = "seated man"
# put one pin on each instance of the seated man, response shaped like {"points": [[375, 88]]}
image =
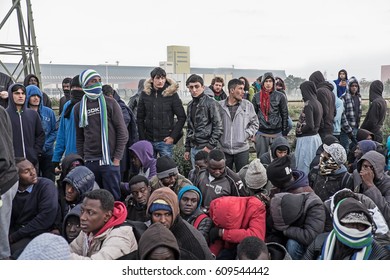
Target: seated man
{"points": [[279, 148], [136, 203], [158, 243], [34, 208], [143, 162], [163, 207], [71, 224], [168, 175], [253, 248], [103, 236], [218, 179]]}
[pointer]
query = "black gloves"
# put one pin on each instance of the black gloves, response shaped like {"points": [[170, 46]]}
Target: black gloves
{"points": [[214, 234]]}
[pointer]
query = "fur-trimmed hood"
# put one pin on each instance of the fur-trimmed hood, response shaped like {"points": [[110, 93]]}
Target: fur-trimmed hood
{"points": [[169, 88]]}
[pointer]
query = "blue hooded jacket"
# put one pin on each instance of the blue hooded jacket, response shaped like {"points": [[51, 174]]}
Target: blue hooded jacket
{"points": [[48, 119]]}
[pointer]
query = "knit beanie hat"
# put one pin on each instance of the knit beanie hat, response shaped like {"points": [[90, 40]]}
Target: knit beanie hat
{"points": [[279, 172], [159, 204], [191, 189], [165, 167], [46, 246], [256, 175], [337, 152]]}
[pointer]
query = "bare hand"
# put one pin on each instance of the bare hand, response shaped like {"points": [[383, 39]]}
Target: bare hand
{"points": [[116, 162], [168, 140], [367, 176], [206, 149], [4, 94]]}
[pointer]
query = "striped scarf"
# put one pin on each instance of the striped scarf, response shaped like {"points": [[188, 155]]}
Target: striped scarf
{"points": [[94, 92], [350, 237]]}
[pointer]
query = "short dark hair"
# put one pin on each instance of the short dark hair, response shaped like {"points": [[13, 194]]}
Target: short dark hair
{"points": [[201, 155], [108, 90], [138, 179], [194, 79], [235, 82], [106, 198], [251, 247], [216, 155], [19, 159], [15, 87], [158, 72], [67, 80], [217, 80]]}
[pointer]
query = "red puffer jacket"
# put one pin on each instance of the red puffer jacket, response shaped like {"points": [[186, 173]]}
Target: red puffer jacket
{"points": [[240, 217]]}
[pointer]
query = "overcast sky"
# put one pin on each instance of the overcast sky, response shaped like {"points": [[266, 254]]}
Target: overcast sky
{"points": [[299, 36]]}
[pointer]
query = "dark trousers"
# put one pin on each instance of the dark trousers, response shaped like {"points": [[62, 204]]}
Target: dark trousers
{"points": [[108, 177], [46, 167], [239, 160]]}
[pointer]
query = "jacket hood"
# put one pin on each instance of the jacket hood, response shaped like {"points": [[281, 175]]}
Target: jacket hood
{"points": [[82, 179], [191, 188], [376, 90], [155, 236], [362, 134], [377, 161], [27, 78], [119, 215], [268, 75], [278, 251], [308, 91], [366, 146], [169, 197], [11, 102], [144, 151], [32, 90], [74, 212], [317, 78], [208, 92], [66, 163], [278, 142], [169, 88]]}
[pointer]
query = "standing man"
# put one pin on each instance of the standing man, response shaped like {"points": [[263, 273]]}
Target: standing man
{"points": [[240, 123], [158, 105], [271, 108], [32, 79], [216, 86], [48, 121], [352, 109], [204, 124], [28, 134], [5, 82], [341, 82], [66, 89], [376, 111], [101, 133], [8, 181]]}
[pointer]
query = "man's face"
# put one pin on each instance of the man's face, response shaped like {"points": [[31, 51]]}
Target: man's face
{"points": [[353, 88], [280, 153], [216, 168], [65, 86], [358, 152], [27, 173], [19, 97], [169, 181], [94, 80], [237, 93], [159, 82], [93, 217], [162, 216], [72, 228], [70, 193], [161, 253], [217, 87], [188, 203], [140, 192], [201, 164], [268, 84], [367, 166], [135, 160], [195, 89], [33, 81], [34, 100], [342, 76]]}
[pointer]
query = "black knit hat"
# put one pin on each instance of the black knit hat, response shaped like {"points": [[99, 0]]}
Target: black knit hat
{"points": [[279, 172], [166, 167], [75, 82]]}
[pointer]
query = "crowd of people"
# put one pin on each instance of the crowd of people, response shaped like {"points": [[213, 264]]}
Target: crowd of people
{"points": [[100, 181]]}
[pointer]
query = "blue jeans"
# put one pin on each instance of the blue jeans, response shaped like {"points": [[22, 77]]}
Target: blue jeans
{"points": [[107, 177], [194, 151], [162, 149], [295, 249]]}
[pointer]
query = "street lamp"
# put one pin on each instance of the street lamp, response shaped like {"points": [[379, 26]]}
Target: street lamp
{"points": [[106, 72]]}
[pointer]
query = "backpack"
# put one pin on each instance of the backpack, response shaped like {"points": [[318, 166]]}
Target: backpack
{"points": [[138, 229]]}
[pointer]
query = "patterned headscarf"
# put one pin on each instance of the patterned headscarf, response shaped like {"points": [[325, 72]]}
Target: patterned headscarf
{"points": [[94, 92]]}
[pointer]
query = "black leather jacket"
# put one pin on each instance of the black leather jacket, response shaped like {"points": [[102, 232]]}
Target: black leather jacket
{"points": [[206, 129]]}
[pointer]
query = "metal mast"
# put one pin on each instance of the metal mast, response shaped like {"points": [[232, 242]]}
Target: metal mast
{"points": [[27, 50]]}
